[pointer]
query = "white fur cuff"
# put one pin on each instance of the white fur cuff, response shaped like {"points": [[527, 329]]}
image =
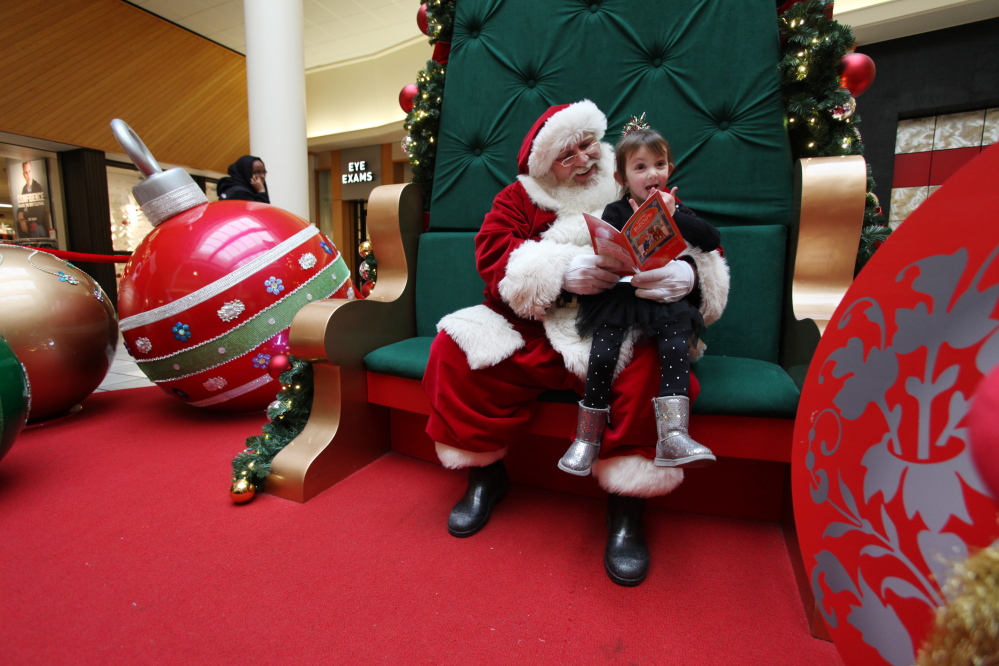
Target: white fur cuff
{"points": [[453, 458], [636, 476], [713, 277], [534, 276], [485, 336]]}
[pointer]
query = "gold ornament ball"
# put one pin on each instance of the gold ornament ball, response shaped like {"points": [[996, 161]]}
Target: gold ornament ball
{"points": [[364, 249], [242, 491], [61, 326]]}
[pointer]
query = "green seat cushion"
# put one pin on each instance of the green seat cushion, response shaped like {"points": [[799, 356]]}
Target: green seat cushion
{"points": [[733, 386], [401, 359], [446, 278], [744, 387]]}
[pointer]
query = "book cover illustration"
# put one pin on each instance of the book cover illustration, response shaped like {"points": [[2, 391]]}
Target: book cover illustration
{"points": [[649, 239]]}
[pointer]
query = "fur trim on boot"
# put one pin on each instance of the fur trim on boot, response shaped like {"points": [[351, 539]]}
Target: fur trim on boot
{"points": [[636, 476]]}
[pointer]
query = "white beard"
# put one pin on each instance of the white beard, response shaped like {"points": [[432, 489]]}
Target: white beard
{"points": [[569, 200]]}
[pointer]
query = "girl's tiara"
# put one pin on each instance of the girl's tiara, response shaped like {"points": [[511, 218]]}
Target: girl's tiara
{"points": [[635, 124]]}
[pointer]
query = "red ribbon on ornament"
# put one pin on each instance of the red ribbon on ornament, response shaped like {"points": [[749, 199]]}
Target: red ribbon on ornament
{"points": [[79, 256]]}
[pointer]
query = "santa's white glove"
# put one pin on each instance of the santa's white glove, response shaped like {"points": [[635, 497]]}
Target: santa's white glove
{"points": [[667, 284], [590, 274]]}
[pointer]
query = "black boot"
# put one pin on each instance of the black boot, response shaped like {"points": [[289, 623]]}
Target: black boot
{"points": [[486, 486], [627, 557]]}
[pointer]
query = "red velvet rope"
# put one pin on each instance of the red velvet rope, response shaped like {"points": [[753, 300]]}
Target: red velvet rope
{"points": [[79, 256]]}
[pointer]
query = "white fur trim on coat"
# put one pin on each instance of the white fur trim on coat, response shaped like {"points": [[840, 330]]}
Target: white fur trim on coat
{"points": [[564, 128], [534, 275], [453, 458], [713, 278], [560, 329], [485, 336], [636, 476]]}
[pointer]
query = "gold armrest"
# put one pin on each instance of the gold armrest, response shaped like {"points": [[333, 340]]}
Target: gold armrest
{"points": [[829, 194], [344, 432]]}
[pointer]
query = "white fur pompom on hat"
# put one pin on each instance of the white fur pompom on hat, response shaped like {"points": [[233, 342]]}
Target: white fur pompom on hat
{"points": [[560, 126]]}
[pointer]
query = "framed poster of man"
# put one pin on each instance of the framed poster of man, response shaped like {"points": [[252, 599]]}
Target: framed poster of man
{"points": [[29, 192]]}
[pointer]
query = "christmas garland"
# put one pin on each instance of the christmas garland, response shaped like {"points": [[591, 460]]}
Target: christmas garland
{"points": [[821, 116], [423, 121], [287, 416]]}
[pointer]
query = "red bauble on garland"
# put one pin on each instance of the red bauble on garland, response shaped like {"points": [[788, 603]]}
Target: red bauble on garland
{"points": [[407, 95], [856, 73], [421, 19], [278, 364]]}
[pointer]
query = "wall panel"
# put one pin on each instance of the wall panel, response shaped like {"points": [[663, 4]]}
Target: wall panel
{"points": [[69, 67]]}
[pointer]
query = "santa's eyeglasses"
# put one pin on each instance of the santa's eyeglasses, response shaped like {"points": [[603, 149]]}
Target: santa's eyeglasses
{"points": [[589, 149]]}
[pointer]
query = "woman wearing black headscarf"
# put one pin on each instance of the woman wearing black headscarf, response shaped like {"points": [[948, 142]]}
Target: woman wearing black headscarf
{"points": [[246, 181]]}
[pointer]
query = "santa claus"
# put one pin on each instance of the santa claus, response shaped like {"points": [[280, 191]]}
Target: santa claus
{"points": [[489, 363]]}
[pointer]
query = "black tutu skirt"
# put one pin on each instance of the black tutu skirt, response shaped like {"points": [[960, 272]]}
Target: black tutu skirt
{"points": [[621, 306]]}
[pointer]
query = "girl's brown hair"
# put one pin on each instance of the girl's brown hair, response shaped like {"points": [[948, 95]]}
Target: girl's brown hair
{"points": [[637, 139]]}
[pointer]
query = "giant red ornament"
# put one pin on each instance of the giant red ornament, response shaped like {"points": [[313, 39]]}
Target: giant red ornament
{"points": [[421, 19], [856, 73], [407, 95], [889, 488], [207, 298]]}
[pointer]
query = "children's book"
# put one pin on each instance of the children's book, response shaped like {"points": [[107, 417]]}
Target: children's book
{"points": [[649, 239]]}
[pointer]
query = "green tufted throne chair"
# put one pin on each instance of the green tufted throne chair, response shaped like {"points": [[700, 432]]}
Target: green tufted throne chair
{"points": [[705, 73]]}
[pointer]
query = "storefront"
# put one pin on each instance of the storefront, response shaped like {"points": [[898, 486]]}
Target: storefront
{"points": [[30, 195], [344, 180]]}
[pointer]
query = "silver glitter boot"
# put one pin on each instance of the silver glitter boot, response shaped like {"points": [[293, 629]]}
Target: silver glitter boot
{"points": [[584, 449], [675, 447]]}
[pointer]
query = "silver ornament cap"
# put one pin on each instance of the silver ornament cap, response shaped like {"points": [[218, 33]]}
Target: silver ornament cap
{"points": [[163, 194]]}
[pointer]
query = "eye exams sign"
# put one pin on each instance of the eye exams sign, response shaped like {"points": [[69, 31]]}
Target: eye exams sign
{"points": [[360, 171], [357, 172]]}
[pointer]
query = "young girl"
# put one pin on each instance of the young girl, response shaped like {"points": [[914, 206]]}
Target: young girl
{"points": [[644, 163]]}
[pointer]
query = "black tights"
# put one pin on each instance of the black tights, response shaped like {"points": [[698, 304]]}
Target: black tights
{"points": [[674, 360]]}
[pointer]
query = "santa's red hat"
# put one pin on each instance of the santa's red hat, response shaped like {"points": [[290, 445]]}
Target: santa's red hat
{"points": [[558, 127]]}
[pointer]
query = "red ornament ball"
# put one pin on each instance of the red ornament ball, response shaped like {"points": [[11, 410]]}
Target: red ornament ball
{"points": [[983, 430], [278, 364], [856, 73], [407, 96], [421, 19], [207, 299]]}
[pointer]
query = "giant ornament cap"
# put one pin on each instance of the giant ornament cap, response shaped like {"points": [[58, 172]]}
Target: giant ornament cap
{"points": [[163, 194]]}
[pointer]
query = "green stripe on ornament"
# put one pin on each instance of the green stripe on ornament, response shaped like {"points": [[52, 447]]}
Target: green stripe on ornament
{"points": [[249, 334]]}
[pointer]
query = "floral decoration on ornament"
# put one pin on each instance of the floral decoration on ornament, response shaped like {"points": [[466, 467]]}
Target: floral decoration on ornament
{"points": [[64, 277], [231, 310], [274, 285], [307, 261], [144, 345], [261, 361], [181, 332], [215, 384]]}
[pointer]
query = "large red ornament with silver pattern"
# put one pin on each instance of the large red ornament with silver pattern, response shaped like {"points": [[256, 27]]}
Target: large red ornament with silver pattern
{"points": [[206, 300]]}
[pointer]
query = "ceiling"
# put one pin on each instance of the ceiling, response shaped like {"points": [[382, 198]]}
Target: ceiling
{"points": [[338, 31], [334, 30]]}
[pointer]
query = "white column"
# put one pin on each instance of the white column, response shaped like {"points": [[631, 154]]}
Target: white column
{"points": [[275, 82]]}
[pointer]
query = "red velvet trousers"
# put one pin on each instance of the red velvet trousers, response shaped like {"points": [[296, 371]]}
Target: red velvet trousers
{"points": [[490, 408]]}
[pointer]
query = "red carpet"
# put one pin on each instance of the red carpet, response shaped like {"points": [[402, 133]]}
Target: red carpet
{"points": [[119, 544]]}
